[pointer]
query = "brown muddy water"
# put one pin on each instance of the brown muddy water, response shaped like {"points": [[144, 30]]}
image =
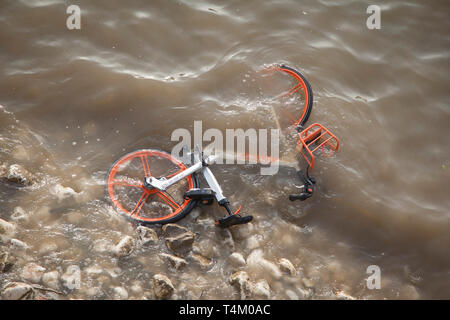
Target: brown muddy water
{"points": [[74, 101]]}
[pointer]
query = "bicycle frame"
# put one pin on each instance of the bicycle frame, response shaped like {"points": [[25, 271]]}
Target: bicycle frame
{"points": [[200, 165]]}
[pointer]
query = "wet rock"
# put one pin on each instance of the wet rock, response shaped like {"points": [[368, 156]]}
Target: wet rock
{"points": [[125, 247], [6, 261], [237, 260], [205, 248], [61, 192], [173, 230], [7, 230], [19, 215], [18, 247], [256, 261], [51, 279], [287, 266], [202, 261], [147, 235], [180, 244], [175, 261], [120, 293], [162, 286], [252, 242], [308, 283], [18, 291], [32, 272], [19, 175], [261, 289], [241, 281]]}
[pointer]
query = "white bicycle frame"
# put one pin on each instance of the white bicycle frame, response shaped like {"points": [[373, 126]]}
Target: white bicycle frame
{"points": [[200, 165]]}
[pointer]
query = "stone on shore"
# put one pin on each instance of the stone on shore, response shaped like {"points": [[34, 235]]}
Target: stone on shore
{"points": [[19, 175], [287, 266], [18, 291], [32, 272], [181, 244], [51, 279], [125, 247], [7, 230], [147, 235], [162, 286], [175, 261], [237, 259]]}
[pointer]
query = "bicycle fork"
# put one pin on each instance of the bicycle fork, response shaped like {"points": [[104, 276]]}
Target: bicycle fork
{"points": [[207, 196]]}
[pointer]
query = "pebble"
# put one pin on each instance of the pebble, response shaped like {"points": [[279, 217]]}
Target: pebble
{"points": [[252, 242], [18, 291], [120, 293], [287, 266], [32, 272], [173, 229], [125, 247], [7, 230], [18, 246], [175, 261], [51, 279], [256, 260], [6, 261], [147, 235], [162, 286], [261, 289], [202, 261], [19, 215], [18, 174], [61, 192], [180, 244], [237, 259]]}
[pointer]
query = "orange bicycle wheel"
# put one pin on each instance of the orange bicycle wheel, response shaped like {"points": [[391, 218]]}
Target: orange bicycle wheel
{"points": [[149, 206], [303, 85]]}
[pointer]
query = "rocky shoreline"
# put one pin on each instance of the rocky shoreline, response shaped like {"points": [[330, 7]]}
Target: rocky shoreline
{"points": [[165, 262], [36, 281]]}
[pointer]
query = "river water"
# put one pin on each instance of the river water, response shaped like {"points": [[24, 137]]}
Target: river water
{"points": [[74, 101]]}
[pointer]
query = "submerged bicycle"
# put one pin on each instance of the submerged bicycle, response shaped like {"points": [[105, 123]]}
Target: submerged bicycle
{"points": [[152, 187]]}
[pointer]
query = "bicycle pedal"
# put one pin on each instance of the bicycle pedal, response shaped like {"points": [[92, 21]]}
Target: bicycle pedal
{"points": [[206, 195], [302, 196], [233, 220]]}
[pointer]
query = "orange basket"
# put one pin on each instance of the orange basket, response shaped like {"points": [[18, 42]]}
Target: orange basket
{"points": [[316, 137]]}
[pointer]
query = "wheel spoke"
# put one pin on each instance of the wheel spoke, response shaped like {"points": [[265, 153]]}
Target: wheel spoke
{"points": [[145, 165], [167, 200], [139, 204], [293, 90]]}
